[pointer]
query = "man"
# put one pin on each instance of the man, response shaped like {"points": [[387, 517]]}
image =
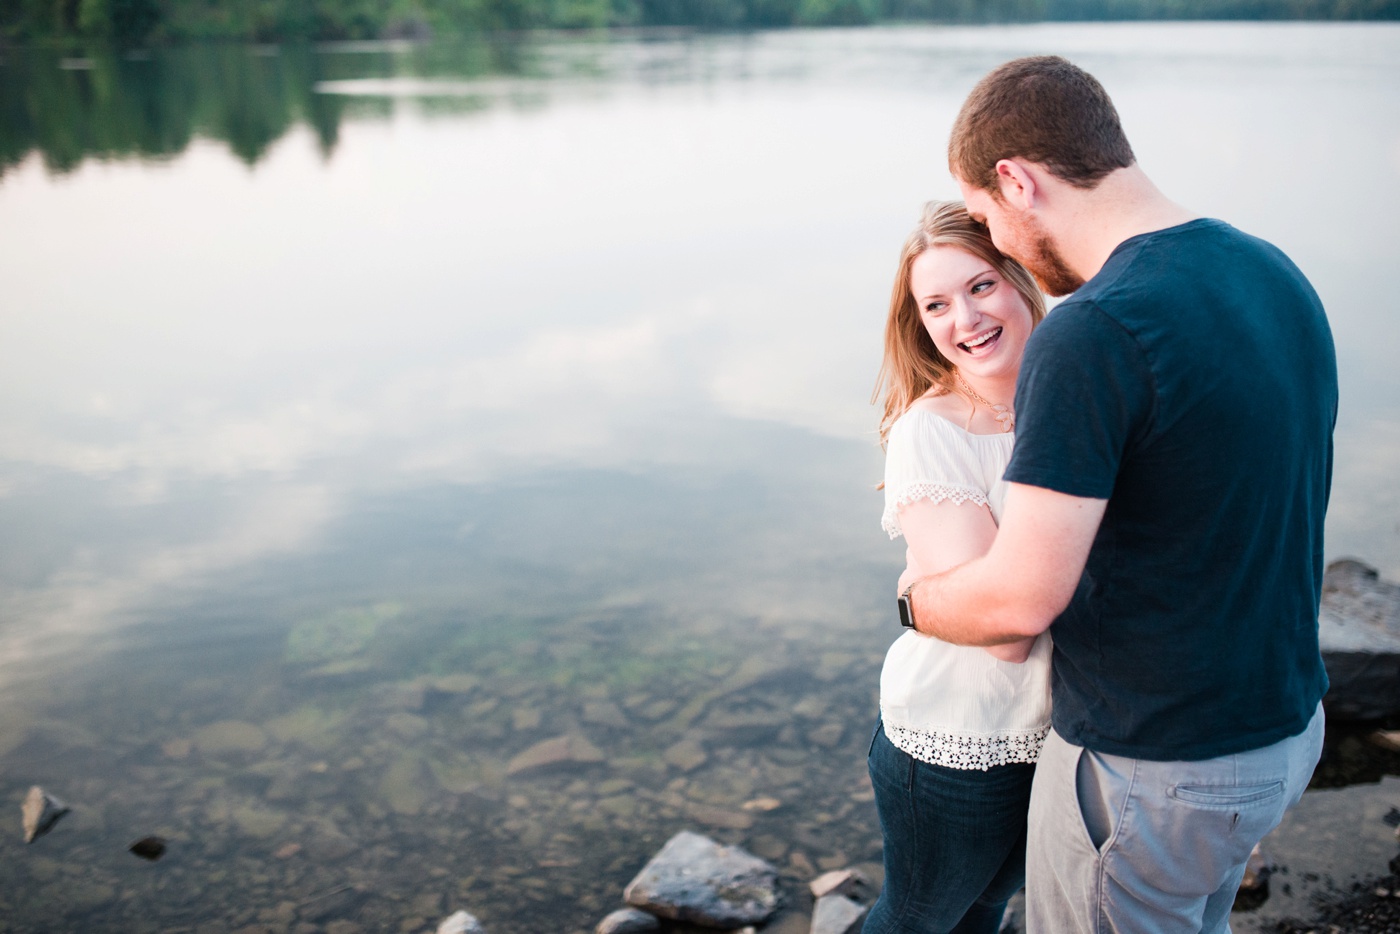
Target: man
{"points": [[1165, 509]]}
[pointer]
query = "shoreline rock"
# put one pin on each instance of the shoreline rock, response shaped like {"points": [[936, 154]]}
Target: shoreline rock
{"points": [[1359, 633], [696, 880]]}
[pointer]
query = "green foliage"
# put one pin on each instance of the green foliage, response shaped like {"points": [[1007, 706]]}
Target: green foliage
{"points": [[837, 12], [132, 22]]}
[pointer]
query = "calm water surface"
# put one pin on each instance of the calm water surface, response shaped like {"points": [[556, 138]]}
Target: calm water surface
{"points": [[371, 414]]}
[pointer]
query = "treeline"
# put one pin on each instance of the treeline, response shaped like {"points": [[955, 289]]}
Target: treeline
{"points": [[97, 101], [141, 22], [108, 105]]}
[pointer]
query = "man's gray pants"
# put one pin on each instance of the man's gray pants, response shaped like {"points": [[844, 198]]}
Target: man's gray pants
{"points": [[1132, 845]]}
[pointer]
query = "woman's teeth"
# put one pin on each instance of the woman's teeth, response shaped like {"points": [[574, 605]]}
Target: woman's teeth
{"points": [[979, 341]]}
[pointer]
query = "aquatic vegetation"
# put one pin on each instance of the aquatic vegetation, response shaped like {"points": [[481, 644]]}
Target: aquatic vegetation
{"points": [[338, 636]]}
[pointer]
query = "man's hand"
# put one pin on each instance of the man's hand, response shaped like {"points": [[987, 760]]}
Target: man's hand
{"points": [[1016, 589]]}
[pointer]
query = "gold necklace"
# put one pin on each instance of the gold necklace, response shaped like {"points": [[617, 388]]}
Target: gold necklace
{"points": [[1002, 413]]}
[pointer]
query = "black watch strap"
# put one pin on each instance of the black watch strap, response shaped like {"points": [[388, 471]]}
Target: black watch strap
{"points": [[906, 608]]}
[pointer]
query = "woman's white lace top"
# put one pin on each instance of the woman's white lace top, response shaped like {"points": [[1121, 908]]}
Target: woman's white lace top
{"points": [[945, 704]]}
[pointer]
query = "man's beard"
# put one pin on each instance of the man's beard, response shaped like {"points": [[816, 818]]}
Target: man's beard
{"points": [[1049, 269], [1044, 261]]}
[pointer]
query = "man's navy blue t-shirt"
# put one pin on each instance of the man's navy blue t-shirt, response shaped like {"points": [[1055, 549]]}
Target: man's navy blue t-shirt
{"points": [[1192, 383]]}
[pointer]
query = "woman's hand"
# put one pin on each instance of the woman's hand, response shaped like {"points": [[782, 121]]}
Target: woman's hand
{"points": [[1016, 652]]}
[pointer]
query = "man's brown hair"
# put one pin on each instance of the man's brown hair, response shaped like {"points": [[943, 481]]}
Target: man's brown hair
{"points": [[1042, 109]]}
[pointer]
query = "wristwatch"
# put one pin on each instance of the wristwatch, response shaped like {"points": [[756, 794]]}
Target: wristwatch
{"points": [[906, 607]]}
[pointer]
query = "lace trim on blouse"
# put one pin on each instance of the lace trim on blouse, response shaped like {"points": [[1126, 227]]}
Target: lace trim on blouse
{"points": [[968, 750], [934, 493]]}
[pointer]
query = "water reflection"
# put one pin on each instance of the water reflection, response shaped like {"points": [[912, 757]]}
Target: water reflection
{"points": [[491, 394], [110, 104]]}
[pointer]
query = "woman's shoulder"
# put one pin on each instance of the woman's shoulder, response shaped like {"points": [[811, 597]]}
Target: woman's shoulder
{"points": [[949, 406], [942, 419]]}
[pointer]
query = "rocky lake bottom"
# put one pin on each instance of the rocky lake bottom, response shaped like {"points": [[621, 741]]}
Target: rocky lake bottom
{"points": [[377, 772], [333, 795]]}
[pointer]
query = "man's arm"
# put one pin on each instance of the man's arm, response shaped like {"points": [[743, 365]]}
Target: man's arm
{"points": [[1027, 578], [944, 535]]}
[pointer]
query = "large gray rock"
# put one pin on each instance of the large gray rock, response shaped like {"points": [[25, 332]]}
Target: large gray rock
{"points": [[694, 879], [1359, 630], [837, 914]]}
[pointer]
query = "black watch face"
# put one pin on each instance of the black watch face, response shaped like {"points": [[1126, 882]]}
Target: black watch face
{"points": [[906, 612]]}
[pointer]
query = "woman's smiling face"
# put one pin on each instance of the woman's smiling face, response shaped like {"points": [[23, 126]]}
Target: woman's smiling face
{"points": [[976, 319]]}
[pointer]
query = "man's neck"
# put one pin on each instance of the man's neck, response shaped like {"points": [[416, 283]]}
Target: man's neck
{"points": [[1124, 204]]}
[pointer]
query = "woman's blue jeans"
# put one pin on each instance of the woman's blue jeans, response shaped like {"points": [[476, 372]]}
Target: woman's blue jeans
{"points": [[955, 842]]}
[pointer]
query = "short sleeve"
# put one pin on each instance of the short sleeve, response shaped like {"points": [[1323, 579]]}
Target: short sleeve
{"points": [[1084, 395], [927, 457]]}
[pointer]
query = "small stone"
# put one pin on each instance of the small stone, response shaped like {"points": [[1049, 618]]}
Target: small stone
{"points": [[762, 804], [338, 902], [604, 713], [1256, 870], [1389, 740], [1013, 921], [229, 737], [40, 812], [525, 719], [460, 683], [719, 817], [851, 883], [555, 753], [148, 848], [837, 914], [769, 847], [407, 725], [694, 879], [177, 748], [828, 735], [686, 755], [628, 921], [460, 922], [287, 851]]}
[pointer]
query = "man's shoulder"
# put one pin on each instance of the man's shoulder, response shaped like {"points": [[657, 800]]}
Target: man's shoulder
{"points": [[1184, 252]]}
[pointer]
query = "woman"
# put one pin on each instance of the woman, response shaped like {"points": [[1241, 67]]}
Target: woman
{"points": [[960, 727]]}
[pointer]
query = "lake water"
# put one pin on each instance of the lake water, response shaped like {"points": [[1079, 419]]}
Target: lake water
{"points": [[372, 414]]}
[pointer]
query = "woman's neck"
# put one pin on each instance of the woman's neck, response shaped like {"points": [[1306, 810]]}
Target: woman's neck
{"points": [[997, 390]]}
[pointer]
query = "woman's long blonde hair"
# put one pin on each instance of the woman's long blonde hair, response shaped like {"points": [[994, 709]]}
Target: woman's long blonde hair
{"points": [[912, 363]]}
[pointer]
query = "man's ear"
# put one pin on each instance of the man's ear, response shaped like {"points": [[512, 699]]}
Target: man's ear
{"points": [[1017, 183]]}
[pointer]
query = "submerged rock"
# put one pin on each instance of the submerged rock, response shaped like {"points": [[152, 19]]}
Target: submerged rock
{"points": [[719, 817], [559, 752], [40, 811], [229, 737], [148, 848], [628, 921], [695, 879], [460, 922], [1359, 631], [686, 755]]}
